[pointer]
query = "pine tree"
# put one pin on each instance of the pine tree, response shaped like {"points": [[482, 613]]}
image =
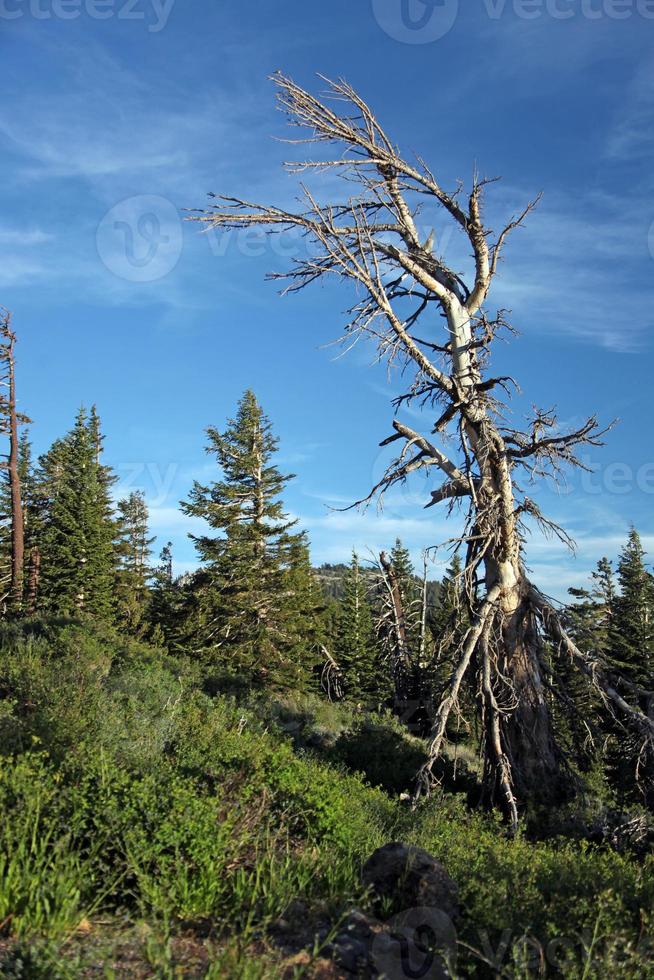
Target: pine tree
{"points": [[30, 518], [76, 527], [305, 606], [450, 612], [578, 712], [134, 551], [405, 572], [581, 618], [633, 623], [249, 602], [449, 624], [26, 470], [166, 605], [410, 591], [356, 649]]}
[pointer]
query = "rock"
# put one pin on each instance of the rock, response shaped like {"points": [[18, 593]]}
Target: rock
{"points": [[351, 954], [357, 924], [420, 942], [297, 909], [350, 948], [410, 877]]}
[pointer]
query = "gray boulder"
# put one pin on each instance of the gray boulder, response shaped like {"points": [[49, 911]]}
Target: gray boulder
{"points": [[410, 878]]}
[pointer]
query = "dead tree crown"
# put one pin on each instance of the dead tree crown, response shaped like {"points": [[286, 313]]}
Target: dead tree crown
{"points": [[429, 319]]}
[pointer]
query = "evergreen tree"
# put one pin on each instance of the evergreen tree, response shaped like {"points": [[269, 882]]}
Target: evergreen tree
{"points": [[26, 469], [581, 618], [252, 607], [166, 609], [355, 648], [449, 624], [590, 620], [577, 712], [616, 628], [449, 615], [633, 627], [405, 572], [305, 606], [410, 592], [134, 552], [29, 484], [96, 435], [77, 528], [605, 595]]}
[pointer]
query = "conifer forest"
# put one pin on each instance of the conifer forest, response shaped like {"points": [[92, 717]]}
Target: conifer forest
{"points": [[365, 689]]}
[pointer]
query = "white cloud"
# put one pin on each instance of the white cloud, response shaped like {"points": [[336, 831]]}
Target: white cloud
{"points": [[17, 271], [24, 237]]}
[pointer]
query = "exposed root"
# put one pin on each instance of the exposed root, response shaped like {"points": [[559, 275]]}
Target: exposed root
{"points": [[482, 622]]}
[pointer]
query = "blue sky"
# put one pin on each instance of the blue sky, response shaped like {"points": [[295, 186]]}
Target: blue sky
{"points": [[117, 116]]}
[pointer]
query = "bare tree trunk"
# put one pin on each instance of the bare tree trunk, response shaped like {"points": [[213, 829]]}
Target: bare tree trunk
{"points": [[17, 517], [526, 726], [11, 420]]}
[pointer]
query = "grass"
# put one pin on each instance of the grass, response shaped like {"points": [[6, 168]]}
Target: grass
{"points": [[151, 829]]}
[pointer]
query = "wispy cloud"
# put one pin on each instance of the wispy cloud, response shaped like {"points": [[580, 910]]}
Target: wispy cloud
{"points": [[573, 269], [632, 134], [24, 237]]}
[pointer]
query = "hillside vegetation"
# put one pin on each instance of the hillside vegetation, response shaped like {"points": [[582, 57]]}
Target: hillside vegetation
{"points": [[150, 829]]}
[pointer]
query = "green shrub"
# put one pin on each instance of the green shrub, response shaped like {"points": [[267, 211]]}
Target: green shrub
{"points": [[41, 874], [156, 801], [368, 746], [319, 802], [563, 896], [31, 961]]}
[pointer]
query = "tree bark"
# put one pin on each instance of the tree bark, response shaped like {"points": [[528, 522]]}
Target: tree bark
{"points": [[11, 420], [528, 737], [17, 516]]}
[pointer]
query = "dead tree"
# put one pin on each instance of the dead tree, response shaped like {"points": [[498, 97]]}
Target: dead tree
{"points": [[401, 627], [10, 419], [432, 321], [331, 677]]}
